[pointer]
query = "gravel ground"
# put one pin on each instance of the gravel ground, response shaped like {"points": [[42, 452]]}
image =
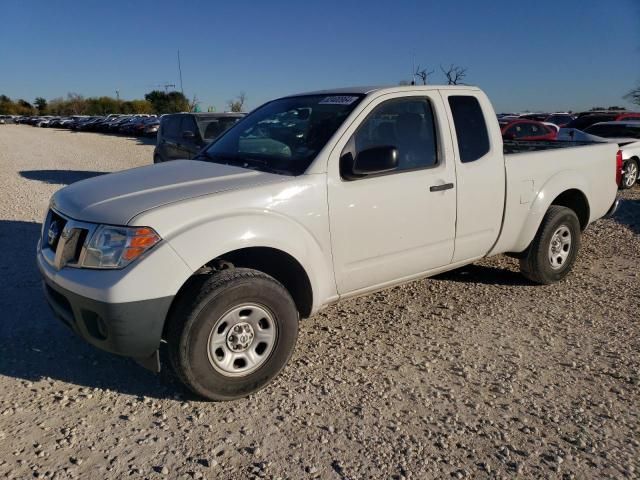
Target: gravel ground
{"points": [[472, 374]]}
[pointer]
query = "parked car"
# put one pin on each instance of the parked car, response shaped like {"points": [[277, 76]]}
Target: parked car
{"points": [[126, 128], [559, 119], [151, 128], [183, 135], [136, 125], [528, 130], [538, 117], [89, 124], [78, 121], [114, 125], [584, 121], [44, 122], [628, 116], [366, 189], [627, 134]]}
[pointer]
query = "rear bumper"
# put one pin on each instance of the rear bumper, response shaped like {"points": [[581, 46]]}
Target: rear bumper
{"points": [[132, 329], [612, 210]]}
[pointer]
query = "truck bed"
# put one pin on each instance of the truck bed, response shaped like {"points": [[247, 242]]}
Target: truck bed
{"points": [[537, 171]]}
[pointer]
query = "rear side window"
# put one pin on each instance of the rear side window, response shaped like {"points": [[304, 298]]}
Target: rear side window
{"points": [[189, 124], [217, 126], [471, 129], [171, 126]]}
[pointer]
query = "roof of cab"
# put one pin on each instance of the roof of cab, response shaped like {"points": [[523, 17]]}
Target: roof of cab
{"points": [[366, 90]]}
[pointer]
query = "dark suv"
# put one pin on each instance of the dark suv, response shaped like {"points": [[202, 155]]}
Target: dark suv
{"points": [[183, 135]]}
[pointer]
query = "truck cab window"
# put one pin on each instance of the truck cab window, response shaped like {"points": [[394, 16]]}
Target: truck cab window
{"points": [[471, 129], [406, 124]]}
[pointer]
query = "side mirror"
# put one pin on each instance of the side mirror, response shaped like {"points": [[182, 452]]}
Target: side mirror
{"points": [[188, 134], [376, 160]]}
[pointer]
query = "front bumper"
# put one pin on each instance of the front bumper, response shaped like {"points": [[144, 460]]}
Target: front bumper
{"points": [[132, 329]]}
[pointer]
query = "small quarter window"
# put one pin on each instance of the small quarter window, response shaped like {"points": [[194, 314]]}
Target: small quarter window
{"points": [[471, 129]]}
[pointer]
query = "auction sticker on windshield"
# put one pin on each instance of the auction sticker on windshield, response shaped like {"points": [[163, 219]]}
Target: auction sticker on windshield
{"points": [[338, 100]]}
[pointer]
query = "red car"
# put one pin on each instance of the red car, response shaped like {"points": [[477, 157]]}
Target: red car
{"points": [[628, 116], [527, 130]]}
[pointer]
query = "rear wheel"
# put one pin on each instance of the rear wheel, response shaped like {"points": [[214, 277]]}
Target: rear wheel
{"points": [[630, 176], [230, 334], [554, 250]]}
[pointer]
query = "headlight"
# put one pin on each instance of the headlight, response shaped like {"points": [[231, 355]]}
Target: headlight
{"points": [[117, 247]]}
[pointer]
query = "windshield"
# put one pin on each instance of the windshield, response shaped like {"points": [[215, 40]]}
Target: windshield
{"points": [[284, 135], [614, 130]]}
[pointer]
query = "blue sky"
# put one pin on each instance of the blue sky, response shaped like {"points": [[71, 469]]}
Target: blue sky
{"points": [[548, 54]]}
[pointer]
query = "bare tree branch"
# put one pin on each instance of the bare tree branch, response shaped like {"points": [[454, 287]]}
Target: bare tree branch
{"points": [[238, 104], [454, 74], [423, 74]]}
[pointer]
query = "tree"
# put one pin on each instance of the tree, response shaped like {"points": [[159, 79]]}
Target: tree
{"points": [[238, 104], [75, 104], [423, 74], [454, 74], [7, 107], [41, 105], [634, 96], [171, 102], [25, 108]]}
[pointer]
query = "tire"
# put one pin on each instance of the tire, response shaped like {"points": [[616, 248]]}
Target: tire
{"points": [[630, 176], [201, 335], [157, 159], [554, 249]]}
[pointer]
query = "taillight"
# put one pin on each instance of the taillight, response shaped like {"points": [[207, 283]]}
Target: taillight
{"points": [[619, 167]]}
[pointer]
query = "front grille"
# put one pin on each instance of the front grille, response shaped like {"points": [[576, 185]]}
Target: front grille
{"points": [[64, 240], [53, 228]]}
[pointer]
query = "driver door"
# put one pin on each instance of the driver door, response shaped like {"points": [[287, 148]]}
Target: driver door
{"points": [[399, 224]]}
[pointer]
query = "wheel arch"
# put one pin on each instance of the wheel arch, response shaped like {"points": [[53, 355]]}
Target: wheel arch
{"points": [[569, 189], [577, 201]]}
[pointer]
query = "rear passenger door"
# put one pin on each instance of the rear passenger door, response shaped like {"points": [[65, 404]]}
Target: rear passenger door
{"points": [[480, 173]]}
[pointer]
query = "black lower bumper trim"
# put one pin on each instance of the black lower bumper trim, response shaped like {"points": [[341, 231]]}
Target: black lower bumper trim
{"points": [[132, 329]]}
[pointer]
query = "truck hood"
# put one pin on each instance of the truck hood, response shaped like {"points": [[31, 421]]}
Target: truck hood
{"points": [[118, 197]]}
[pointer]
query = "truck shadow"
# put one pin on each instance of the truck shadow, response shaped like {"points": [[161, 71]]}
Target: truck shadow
{"points": [[59, 177], [36, 346], [628, 214], [485, 275]]}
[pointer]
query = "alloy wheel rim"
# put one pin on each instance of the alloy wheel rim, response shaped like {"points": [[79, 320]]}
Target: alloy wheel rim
{"points": [[631, 174]]}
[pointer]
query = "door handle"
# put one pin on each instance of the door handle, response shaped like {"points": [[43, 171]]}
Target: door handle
{"points": [[440, 188]]}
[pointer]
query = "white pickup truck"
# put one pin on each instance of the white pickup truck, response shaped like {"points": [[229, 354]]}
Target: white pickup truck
{"points": [[308, 200]]}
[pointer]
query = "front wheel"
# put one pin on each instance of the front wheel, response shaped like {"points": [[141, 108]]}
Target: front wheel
{"points": [[630, 176], [230, 334], [554, 249]]}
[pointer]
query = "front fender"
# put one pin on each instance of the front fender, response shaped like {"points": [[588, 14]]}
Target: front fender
{"points": [[199, 244], [290, 216]]}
